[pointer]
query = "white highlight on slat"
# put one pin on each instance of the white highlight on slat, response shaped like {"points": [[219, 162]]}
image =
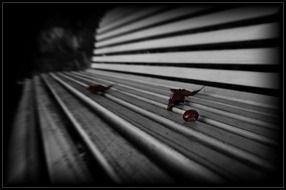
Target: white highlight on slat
{"points": [[257, 32], [238, 56], [92, 147], [231, 150], [140, 13], [172, 14], [197, 22], [226, 127], [245, 78], [166, 154]]}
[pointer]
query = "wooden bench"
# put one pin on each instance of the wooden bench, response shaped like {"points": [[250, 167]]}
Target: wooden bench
{"points": [[129, 133], [233, 51]]}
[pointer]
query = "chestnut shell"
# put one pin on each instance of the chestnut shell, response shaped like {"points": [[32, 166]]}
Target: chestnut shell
{"points": [[191, 115]]}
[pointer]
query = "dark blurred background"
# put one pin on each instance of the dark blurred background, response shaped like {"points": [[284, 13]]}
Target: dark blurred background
{"points": [[43, 37]]}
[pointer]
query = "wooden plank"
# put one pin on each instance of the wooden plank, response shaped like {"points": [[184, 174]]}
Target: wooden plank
{"points": [[244, 122], [263, 105], [171, 158], [257, 32], [265, 56], [139, 14], [231, 134], [165, 16], [189, 147], [251, 101], [235, 109], [120, 155], [245, 78], [164, 96], [24, 164], [65, 166], [222, 17], [156, 114]]}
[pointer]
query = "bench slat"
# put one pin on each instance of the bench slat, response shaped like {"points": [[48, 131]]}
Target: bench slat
{"points": [[257, 32], [245, 78], [251, 101], [64, 163], [259, 56], [240, 122], [141, 13], [165, 16], [110, 144], [222, 17]]}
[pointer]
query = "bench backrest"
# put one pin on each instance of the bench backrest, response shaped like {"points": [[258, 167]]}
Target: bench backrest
{"points": [[234, 51]]}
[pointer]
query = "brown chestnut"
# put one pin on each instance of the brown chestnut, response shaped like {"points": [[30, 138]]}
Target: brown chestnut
{"points": [[191, 115]]}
